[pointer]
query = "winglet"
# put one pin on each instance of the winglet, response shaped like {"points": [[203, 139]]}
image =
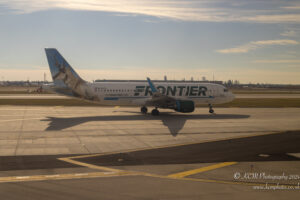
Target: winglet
{"points": [[153, 88]]}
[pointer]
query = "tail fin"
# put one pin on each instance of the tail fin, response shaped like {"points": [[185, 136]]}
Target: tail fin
{"points": [[62, 73], [64, 76]]}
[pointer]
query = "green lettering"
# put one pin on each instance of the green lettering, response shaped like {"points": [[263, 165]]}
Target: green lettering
{"points": [[181, 90], [172, 90], [193, 90], [162, 89], [202, 91], [187, 90], [148, 91]]}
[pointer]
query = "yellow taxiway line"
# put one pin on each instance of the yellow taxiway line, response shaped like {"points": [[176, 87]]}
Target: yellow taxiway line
{"points": [[63, 176], [178, 176], [199, 170], [111, 172], [75, 162]]}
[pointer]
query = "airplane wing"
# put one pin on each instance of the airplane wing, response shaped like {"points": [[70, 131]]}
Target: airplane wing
{"points": [[159, 99]]}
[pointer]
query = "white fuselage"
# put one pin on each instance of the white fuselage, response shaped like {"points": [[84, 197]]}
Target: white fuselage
{"points": [[180, 96], [138, 93]]}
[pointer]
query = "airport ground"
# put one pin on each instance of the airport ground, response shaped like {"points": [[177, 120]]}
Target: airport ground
{"points": [[94, 152], [241, 100], [117, 153]]}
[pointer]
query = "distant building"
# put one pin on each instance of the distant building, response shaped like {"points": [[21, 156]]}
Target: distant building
{"points": [[165, 78]]}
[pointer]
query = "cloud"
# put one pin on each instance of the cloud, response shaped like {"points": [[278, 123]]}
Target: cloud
{"points": [[255, 45], [277, 61], [263, 11], [291, 32], [292, 7]]}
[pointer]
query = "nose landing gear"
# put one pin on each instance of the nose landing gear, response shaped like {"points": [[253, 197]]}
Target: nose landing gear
{"points": [[211, 110]]}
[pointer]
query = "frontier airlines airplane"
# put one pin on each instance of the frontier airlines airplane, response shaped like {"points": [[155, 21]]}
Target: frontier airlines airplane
{"points": [[180, 96]]}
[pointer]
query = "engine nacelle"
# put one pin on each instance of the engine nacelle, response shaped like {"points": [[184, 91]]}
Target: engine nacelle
{"points": [[184, 106]]}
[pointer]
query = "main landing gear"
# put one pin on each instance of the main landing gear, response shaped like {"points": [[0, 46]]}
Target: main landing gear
{"points": [[155, 112], [144, 110], [211, 110]]}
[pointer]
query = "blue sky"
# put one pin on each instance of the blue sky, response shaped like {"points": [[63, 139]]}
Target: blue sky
{"points": [[252, 41]]}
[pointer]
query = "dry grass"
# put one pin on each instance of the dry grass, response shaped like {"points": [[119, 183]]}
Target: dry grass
{"points": [[265, 91], [20, 90], [263, 103]]}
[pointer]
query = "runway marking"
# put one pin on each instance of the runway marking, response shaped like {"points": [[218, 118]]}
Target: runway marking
{"points": [[118, 174], [55, 175], [81, 174], [22, 177], [70, 160], [296, 155], [62, 176], [6, 109], [12, 120], [200, 170], [117, 106], [75, 162]]}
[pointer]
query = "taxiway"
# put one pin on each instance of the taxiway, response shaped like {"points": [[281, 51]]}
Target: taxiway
{"points": [[117, 153]]}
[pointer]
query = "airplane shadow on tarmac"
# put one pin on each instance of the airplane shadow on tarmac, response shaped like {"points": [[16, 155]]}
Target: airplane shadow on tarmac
{"points": [[174, 122]]}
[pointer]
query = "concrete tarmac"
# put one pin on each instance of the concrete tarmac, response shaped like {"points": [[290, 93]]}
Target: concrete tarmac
{"points": [[26, 130], [118, 153]]}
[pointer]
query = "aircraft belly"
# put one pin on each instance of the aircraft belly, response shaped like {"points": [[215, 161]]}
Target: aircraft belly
{"points": [[115, 101]]}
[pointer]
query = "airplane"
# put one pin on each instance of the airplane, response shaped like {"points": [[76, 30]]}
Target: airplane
{"points": [[179, 96]]}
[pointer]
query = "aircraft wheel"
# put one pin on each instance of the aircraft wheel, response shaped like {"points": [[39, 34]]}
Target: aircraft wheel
{"points": [[144, 110], [155, 112], [211, 110]]}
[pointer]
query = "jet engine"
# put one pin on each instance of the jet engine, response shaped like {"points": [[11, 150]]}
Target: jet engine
{"points": [[184, 106]]}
